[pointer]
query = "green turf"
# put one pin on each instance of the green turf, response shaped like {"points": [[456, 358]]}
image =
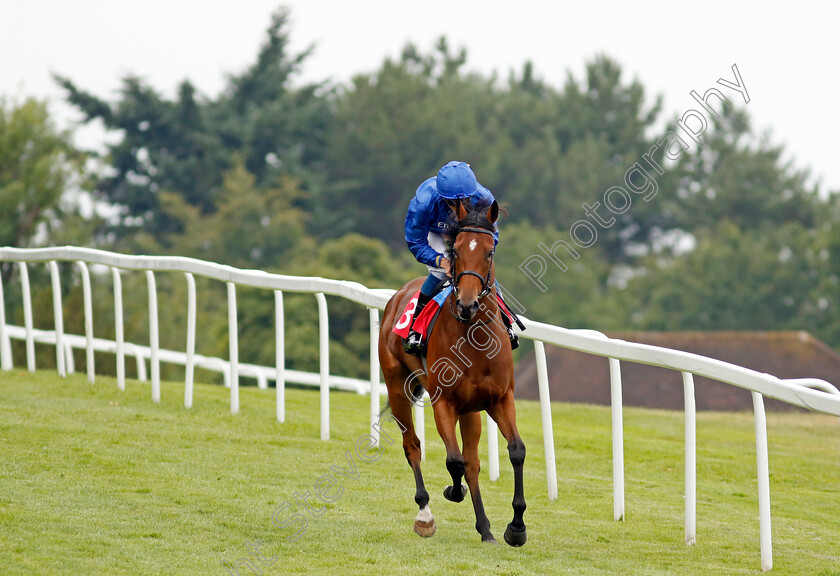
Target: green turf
{"points": [[98, 481]]}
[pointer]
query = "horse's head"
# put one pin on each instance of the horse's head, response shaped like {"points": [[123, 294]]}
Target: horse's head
{"points": [[473, 248]]}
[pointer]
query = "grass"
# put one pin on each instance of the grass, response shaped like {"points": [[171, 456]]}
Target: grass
{"points": [[98, 481]]}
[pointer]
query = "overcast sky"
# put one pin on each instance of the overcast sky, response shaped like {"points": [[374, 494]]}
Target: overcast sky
{"points": [[787, 52]]}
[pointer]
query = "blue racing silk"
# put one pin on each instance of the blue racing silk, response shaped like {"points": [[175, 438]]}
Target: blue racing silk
{"points": [[428, 212]]}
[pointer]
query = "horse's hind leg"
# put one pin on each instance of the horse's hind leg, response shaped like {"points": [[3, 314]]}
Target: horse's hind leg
{"points": [[504, 413], [471, 434], [424, 523]]}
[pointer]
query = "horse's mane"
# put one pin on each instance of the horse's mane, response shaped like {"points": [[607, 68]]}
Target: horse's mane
{"points": [[476, 218]]}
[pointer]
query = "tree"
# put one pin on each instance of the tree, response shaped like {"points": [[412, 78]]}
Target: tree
{"points": [[572, 299], [392, 130], [733, 280], [164, 148], [740, 177], [544, 153], [186, 146], [352, 257], [38, 164]]}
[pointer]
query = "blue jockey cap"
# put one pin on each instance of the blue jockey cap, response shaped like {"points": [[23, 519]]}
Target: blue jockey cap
{"points": [[456, 180]]}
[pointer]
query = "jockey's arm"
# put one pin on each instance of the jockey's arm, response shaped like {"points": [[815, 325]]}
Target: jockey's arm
{"points": [[417, 232]]}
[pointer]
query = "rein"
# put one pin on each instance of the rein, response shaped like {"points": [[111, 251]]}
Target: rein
{"points": [[486, 285]]}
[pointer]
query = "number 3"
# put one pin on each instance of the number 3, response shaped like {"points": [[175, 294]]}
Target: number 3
{"points": [[409, 312]]}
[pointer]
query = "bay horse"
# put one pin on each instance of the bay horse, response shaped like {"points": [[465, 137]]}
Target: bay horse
{"points": [[470, 368]]}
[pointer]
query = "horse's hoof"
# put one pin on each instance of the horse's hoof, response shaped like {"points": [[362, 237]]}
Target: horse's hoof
{"points": [[515, 537], [425, 529], [488, 539], [450, 494]]}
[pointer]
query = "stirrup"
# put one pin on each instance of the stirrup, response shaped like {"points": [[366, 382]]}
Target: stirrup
{"points": [[414, 344], [514, 339]]}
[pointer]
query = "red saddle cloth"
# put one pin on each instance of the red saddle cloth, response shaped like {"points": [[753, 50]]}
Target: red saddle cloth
{"points": [[402, 326], [422, 324]]}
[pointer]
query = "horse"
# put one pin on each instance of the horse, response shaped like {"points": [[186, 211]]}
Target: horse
{"points": [[470, 370]]}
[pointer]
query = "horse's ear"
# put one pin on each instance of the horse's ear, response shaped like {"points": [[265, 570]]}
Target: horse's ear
{"points": [[453, 206], [461, 210], [493, 212]]}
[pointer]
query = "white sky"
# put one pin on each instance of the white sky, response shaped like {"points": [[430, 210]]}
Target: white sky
{"points": [[788, 53]]}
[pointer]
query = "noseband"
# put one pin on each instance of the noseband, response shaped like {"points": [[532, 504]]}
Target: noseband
{"points": [[485, 280]]}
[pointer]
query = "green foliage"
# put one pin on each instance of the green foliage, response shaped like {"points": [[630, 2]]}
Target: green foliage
{"points": [[251, 228], [37, 166], [740, 177], [361, 259], [541, 151], [353, 258], [315, 180], [706, 288], [164, 147], [392, 130], [188, 146], [760, 261], [572, 298]]}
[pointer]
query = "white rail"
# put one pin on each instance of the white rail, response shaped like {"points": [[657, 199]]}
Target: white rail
{"points": [[812, 394]]}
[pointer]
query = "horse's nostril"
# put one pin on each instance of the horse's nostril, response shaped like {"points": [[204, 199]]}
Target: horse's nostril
{"points": [[466, 312]]}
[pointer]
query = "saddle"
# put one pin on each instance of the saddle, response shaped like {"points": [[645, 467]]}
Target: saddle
{"points": [[426, 321]]}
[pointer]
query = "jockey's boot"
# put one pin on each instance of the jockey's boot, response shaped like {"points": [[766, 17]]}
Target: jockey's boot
{"points": [[514, 337], [414, 344]]}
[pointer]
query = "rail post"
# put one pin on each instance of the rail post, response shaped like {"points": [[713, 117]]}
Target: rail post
{"points": [[547, 425], [690, 460], [374, 374], [233, 337], [5, 346], [58, 315], [118, 328], [763, 473], [617, 439], [154, 339], [324, 349], [280, 355], [189, 365], [88, 306], [27, 316], [492, 449]]}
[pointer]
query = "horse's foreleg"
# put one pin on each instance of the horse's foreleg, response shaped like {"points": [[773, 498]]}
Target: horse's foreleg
{"points": [[424, 523], [516, 535], [445, 420], [471, 434], [504, 413]]}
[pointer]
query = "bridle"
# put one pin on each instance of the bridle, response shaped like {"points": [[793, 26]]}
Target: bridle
{"points": [[486, 285]]}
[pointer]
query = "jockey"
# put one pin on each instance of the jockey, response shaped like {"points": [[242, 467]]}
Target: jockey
{"points": [[424, 225]]}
